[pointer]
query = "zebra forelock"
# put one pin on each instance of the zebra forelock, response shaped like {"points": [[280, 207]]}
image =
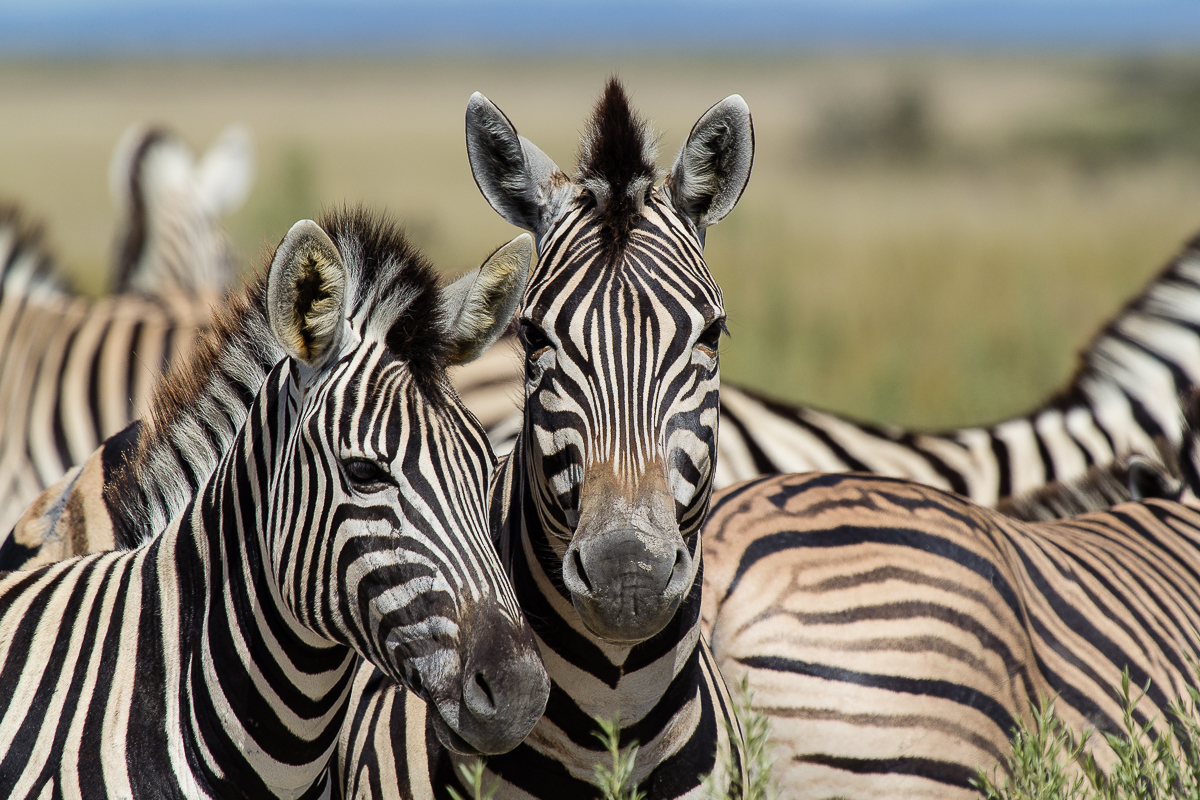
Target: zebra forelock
{"points": [[617, 162]]}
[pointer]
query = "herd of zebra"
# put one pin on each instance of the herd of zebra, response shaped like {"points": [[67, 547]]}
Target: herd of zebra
{"points": [[306, 538]]}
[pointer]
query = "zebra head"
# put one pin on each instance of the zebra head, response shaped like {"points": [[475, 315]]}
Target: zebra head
{"points": [[377, 530], [620, 322], [169, 205]]}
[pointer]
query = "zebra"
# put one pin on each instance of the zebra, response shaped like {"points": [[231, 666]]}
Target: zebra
{"points": [[74, 370], [895, 634], [1122, 399], [347, 516], [384, 713], [170, 205], [595, 511]]}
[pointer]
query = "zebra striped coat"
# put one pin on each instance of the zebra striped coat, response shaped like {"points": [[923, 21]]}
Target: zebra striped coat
{"points": [[895, 634], [1123, 397], [74, 371], [595, 512], [347, 515]]}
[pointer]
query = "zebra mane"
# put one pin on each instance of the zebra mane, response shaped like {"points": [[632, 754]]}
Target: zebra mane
{"points": [[201, 404], [25, 261], [617, 160], [1098, 489], [1164, 295], [1130, 477]]}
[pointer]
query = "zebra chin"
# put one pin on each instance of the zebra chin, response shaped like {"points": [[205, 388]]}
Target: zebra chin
{"points": [[491, 703]]}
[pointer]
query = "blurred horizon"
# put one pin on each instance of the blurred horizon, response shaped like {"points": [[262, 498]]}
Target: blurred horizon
{"points": [[323, 28]]}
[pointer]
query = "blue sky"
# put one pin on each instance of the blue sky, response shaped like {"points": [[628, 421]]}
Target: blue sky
{"points": [[262, 27]]}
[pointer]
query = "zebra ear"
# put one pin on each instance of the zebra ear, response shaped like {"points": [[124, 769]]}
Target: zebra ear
{"points": [[224, 174], [481, 303], [1147, 480], [520, 182], [713, 167], [306, 295]]}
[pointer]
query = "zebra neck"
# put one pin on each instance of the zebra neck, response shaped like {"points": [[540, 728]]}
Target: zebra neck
{"points": [[644, 685], [258, 697], [195, 418]]}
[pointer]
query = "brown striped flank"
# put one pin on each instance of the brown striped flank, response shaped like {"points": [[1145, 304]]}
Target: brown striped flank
{"points": [[895, 633]]}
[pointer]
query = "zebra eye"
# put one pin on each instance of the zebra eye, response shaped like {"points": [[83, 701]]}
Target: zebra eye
{"points": [[364, 474], [536, 341], [710, 338]]}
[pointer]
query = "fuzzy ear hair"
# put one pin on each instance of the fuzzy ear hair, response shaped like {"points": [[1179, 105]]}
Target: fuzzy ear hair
{"points": [[225, 173], [713, 166], [306, 295], [520, 182], [481, 303]]}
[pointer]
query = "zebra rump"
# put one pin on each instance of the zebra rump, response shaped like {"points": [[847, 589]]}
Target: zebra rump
{"points": [[895, 634]]}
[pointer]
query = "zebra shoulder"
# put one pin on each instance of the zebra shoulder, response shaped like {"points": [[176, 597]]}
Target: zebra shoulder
{"points": [[72, 517]]}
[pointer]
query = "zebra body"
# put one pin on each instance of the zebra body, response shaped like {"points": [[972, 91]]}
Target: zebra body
{"points": [[1121, 400], [895, 634], [595, 511], [74, 370], [346, 515]]}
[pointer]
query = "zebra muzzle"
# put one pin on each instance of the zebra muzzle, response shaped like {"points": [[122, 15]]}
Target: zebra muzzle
{"points": [[627, 584], [502, 690]]}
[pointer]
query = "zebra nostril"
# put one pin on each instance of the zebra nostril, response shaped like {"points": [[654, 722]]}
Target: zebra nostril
{"points": [[482, 683], [581, 572], [479, 697]]}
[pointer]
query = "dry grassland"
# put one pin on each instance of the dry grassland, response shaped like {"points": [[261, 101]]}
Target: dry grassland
{"points": [[917, 244]]}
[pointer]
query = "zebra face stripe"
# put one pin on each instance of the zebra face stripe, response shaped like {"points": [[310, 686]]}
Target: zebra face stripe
{"points": [[622, 376], [382, 491]]}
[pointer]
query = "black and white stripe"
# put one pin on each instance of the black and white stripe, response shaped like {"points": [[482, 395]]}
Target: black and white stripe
{"points": [[170, 203], [347, 514], [75, 370], [596, 511], [895, 634], [1122, 400]]}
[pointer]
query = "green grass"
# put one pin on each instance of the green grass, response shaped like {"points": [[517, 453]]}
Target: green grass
{"points": [[473, 776], [1049, 762], [615, 779], [749, 735], [754, 782]]}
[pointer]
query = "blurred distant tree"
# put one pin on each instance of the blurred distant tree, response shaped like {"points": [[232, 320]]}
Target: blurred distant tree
{"points": [[897, 128]]}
